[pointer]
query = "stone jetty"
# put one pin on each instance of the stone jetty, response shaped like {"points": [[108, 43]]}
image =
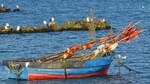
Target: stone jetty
{"points": [[100, 24], [52, 26]]}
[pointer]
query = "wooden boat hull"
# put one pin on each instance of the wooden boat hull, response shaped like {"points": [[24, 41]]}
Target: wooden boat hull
{"points": [[95, 67], [39, 76]]}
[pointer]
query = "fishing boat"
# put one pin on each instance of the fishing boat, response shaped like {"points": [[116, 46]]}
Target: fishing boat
{"points": [[74, 69], [68, 64]]}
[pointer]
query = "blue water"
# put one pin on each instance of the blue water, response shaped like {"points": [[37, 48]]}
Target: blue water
{"points": [[119, 12]]}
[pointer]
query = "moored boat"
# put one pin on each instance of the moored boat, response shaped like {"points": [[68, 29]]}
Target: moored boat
{"points": [[74, 69], [67, 64]]}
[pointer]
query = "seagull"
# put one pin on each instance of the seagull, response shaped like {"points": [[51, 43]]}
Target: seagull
{"points": [[2, 5], [142, 6], [7, 24], [104, 20], [18, 28], [52, 19], [6, 27], [44, 22], [17, 9], [17, 6], [87, 19]]}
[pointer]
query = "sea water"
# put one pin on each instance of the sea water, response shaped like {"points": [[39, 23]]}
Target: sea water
{"points": [[117, 12]]}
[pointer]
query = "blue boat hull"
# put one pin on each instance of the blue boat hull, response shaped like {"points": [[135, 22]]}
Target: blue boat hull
{"points": [[95, 67]]}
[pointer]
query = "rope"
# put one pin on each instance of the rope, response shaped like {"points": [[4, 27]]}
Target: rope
{"points": [[129, 69]]}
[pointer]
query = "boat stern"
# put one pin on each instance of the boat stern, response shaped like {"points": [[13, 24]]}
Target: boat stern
{"points": [[16, 71]]}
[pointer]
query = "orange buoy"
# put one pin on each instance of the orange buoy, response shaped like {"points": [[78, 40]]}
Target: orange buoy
{"points": [[74, 48], [67, 55], [79, 47], [87, 46], [69, 50]]}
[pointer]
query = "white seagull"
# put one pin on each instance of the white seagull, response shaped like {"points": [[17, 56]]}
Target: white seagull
{"points": [[18, 28], [52, 19], [7, 26], [104, 20], [44, 22], [2, 5], [17, 6], [87, 19]]}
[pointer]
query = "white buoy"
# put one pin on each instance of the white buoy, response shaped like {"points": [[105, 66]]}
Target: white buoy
{"points": [[2, 5], [87, 19], [44, 22], [142, 6], [17, 6], [18, 28]]}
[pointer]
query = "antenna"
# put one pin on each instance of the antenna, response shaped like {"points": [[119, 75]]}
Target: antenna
{"points": [[111, 29], [92, 34]]}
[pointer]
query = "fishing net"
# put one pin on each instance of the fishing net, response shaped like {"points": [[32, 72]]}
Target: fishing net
{"points": [[76, 61]]}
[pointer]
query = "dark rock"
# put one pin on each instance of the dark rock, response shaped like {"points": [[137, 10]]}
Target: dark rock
{"points": [[16, 10], [5, 10]]}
